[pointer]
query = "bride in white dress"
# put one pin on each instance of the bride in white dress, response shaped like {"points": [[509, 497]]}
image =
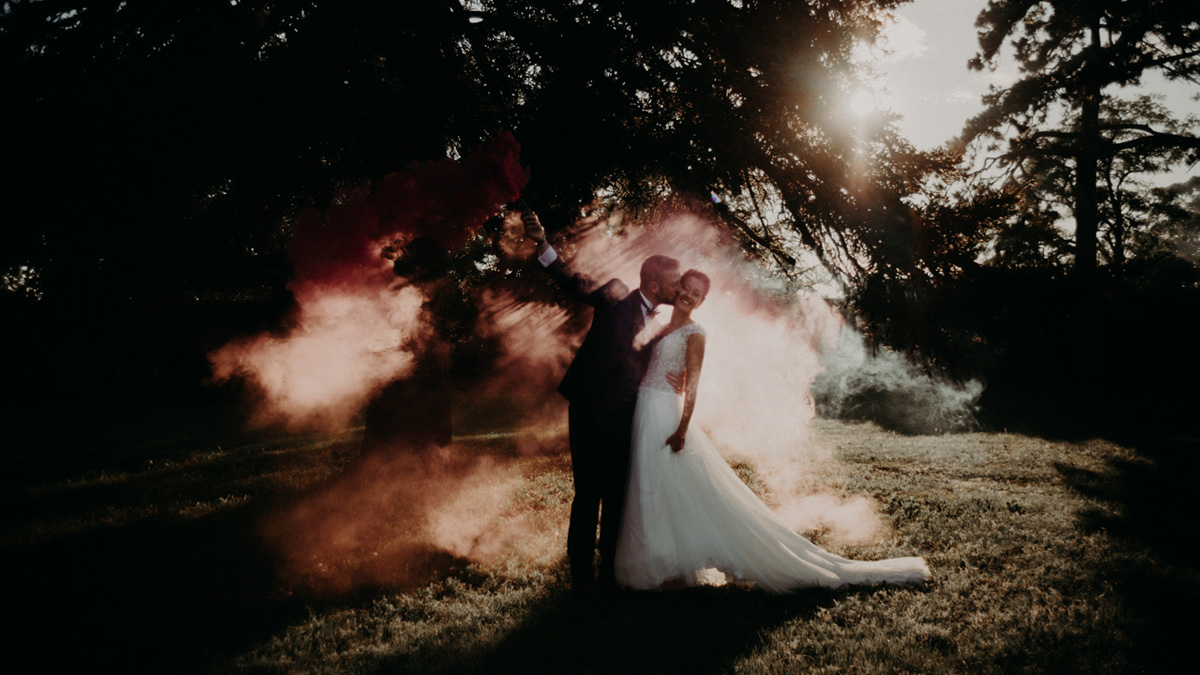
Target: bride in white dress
{"points": [[688, 517]]}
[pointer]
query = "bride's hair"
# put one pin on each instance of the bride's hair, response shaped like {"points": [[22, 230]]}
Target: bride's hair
{"points": [[698, 276]]}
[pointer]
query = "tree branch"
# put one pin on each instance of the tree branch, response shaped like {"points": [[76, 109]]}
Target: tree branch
{"points": [[1155, 63], [1152, 138], [1158, 139]]}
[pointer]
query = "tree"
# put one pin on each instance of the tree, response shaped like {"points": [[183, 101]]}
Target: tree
{"points": [[160, 151], [137, 131], [222, 114], [1125, 199], [742, 101], [156, 154], [1071, 54], [1167, 246]]}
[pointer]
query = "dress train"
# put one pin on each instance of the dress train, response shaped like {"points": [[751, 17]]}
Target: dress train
{"points": [[689, 518]]}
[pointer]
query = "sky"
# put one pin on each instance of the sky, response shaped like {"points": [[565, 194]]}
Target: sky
{"points": [[925, 79], [928, 83]]}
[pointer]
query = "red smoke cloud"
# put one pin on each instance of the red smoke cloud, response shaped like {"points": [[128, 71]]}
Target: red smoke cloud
{"points": [[357, 328], [402, 518], [393, 517]]}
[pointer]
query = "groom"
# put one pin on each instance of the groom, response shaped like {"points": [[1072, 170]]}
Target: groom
{"points": [[601, 389]]}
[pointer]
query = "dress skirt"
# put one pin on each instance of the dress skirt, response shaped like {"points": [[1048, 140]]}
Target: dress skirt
{"points": [[689, 519]]}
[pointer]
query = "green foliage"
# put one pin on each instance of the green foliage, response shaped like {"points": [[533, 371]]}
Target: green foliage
{"points": [[1017, 330], [1166, 249]]}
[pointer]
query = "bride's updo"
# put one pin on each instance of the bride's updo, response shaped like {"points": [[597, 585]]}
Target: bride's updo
{"points": [[698, 276]]}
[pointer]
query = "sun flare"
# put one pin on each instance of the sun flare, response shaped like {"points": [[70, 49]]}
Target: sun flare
{"points": [[862, 103]]}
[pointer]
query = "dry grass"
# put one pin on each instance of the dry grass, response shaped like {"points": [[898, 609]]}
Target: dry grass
{"points": [[1048, 556]]}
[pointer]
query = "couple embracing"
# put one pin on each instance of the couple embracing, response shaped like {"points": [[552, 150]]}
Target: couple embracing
{"points": [[673, 511]]}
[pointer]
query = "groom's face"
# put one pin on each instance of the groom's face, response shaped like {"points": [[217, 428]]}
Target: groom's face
{"points": [[668, 286]]}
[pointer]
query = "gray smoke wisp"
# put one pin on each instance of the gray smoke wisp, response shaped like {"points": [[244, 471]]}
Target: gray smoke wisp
{"points": [[886, 387]]}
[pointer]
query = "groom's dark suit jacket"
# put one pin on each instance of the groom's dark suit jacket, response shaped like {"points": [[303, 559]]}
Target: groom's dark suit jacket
{"points": [[601, 385], [608, 366]]}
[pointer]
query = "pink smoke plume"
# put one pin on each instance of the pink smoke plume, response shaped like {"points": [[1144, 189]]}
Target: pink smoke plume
{"points": [[761, 359], [401, 519], [535, 345], [345, 347], [357, 328], [398, 518]]}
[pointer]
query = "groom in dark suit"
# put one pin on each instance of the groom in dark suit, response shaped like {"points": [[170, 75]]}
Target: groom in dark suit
{"points": [[601, 389]]}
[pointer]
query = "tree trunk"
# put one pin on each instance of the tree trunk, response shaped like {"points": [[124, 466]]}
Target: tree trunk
{"points": [[1087, 215], [1086, 164]]}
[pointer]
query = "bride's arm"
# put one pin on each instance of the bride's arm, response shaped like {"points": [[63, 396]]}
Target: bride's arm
{"points": [[695, 359]]}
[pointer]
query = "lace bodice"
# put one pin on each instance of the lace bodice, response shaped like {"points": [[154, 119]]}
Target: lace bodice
{"points": [[669, 356]]}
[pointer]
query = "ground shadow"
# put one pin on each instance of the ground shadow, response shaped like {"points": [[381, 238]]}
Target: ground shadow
{"points": [[165, 594], [156, 596], [106, 567], [699, 630], [1152, 498], [1150, 504]]}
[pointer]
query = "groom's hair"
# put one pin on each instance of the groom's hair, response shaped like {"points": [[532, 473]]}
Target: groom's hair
{"points": [[654, 267]]}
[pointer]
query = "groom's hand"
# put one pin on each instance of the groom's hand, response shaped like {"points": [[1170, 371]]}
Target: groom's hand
{"points": [[535, 231], [677, 381]]}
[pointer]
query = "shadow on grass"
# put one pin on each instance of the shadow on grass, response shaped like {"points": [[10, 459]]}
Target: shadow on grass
{"points": [[101, 567], [163, 594], [698, 630], [155, 596], [1154, 500], [141, 546], [1151, 506]]}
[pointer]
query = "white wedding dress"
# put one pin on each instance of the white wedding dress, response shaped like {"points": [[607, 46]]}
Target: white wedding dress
{"points": [[689, 519]]}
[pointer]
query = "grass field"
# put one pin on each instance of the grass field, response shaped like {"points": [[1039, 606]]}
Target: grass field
{"points": [[1048, 556]]}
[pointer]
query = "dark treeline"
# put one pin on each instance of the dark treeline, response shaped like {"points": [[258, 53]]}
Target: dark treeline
{"points": [[157, 153]]}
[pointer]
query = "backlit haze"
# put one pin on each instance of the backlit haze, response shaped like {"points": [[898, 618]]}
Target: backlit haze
{"points": [[398, 511]]}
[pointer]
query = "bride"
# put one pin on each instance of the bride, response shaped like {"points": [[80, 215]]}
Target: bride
{"points": [[688, 517]]}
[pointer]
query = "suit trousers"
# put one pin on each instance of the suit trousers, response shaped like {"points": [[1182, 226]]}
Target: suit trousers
{"points": [[600, 434]]}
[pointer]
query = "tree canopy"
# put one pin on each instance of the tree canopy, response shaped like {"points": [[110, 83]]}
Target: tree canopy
{"points": [[147, 130], [1074, 58], [158, 154]]}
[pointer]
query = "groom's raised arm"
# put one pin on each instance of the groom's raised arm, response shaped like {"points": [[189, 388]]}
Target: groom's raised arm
{"points": [[582, 287]]}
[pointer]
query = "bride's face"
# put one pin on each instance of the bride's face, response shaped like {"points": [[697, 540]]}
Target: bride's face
{"points": [[691, 294]]}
